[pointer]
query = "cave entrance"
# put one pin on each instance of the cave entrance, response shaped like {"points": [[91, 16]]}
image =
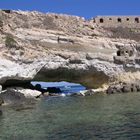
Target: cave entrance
{"points": [[50, 87], [57, 87]]}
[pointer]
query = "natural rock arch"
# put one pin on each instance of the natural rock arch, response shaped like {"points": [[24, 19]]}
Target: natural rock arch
{"points": [[88, 79]]}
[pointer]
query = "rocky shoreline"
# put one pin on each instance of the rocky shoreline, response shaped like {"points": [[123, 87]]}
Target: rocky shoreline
{"points": [[123, 88], [21, 99], [20, 96]]}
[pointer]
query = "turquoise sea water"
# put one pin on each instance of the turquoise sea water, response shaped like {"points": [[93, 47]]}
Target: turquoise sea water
{"points": [[100, 117]]}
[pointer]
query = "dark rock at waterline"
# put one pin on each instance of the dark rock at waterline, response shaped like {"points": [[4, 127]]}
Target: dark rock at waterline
{"points": [[115, 89], [0, 112], [54, 94], [126, 89], [133, 88], [123, 88], [75, 94], [89, 93], [53, 90], [39, 88], [138, 87], [1, 101], [49, 89], [13, 97]]}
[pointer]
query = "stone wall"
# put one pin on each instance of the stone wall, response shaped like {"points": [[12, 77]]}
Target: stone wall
{"points": [[117, 21]]}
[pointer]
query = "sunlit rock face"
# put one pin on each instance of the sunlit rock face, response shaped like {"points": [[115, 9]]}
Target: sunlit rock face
{"points": [[56, 47]]}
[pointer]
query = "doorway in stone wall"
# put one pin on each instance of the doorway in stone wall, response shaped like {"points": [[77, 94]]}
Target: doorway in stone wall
{"points": [[137, 20]]}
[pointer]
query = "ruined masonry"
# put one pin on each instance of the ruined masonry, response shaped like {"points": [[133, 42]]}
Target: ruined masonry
{"points": [[117, 21]]}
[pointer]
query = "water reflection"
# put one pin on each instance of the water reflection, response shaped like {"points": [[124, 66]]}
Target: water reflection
{"points": [[69, 118]]}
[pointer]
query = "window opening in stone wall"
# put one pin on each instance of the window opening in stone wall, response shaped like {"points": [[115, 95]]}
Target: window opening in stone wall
{"points": [[137, 20], [110, 18], [127, 19], [119, 20], [56, 17], [118, 53], [101, 20]]}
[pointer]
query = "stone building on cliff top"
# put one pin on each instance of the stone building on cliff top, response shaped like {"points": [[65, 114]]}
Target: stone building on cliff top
{"points": [[117, 21]]}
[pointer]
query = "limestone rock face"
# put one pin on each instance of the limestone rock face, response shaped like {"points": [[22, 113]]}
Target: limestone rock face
{"points": [[18, 96], [56, 47], [28, 93]]}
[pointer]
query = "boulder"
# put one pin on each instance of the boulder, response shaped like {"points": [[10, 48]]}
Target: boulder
{"points": [[114, 89], [77, 94], [126, 88], [88, 92], [46, 93], [28, 93], [133, 88], [11, 96], [138, 87], [18, 96]]}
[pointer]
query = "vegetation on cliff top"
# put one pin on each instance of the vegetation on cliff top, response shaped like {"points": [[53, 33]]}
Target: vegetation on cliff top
{"points": [[10, 42]]}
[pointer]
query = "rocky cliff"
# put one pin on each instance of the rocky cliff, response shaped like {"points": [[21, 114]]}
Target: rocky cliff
{"points": [[56, 47]]}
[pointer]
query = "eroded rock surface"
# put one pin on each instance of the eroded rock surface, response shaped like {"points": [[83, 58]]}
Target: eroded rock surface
{"points": [[56, 47], [17, 97], [123, 88]]}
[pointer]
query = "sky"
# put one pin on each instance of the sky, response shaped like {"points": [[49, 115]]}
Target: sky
{"points": [[83, 8], [54, 84]]}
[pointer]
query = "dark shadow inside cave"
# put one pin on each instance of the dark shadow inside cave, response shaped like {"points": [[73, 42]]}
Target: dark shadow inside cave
{"points": [[50, 87]]}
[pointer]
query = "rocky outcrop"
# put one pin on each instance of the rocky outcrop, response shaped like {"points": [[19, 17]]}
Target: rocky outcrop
{"points": [[18, 96], [28, 93], [56, 47], [123, 88]]}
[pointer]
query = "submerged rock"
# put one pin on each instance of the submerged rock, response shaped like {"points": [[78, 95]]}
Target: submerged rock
{"points": [[77, 94], [54, 94], [89, 92]]}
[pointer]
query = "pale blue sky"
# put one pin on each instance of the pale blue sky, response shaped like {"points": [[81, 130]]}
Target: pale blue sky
{"points": [[84, 8]]}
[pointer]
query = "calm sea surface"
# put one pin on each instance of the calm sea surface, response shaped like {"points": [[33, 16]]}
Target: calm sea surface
{"points": [[101, 117]]}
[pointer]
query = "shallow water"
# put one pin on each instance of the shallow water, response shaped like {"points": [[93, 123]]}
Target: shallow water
{"points": [[101, 117]]}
